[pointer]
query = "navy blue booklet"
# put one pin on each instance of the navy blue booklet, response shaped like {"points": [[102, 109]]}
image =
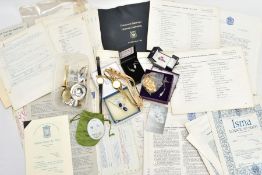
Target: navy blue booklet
{"points": [[124, 26]]}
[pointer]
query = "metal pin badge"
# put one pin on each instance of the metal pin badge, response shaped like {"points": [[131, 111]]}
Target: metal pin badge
{"points": [[78, 91]]}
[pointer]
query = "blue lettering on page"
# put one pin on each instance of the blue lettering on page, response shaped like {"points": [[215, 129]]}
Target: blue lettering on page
{"points": [[241, 123]]}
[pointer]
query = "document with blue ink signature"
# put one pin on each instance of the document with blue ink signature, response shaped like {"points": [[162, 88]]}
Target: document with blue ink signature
{"points": [[6, 33], [27, 63], [47, 147], [118, 154], [238, 137]]}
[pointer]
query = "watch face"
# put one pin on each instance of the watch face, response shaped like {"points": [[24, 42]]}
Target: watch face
{"points": [[95, 129], [116, 84], [100, 80], [78, 91]]}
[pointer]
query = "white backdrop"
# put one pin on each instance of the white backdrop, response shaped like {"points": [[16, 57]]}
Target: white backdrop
{"points": [[11, 152]]}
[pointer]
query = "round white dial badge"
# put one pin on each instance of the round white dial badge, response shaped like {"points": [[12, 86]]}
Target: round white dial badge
{"points": [[95, 129]]}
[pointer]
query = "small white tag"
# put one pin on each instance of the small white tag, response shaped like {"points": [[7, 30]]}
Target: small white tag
{"points": [[95, 129], [161, 59], [126, 52], [171, 64]]}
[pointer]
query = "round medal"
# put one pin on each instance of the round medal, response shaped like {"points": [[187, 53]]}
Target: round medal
{"points": [[78, 91], [95, 129]]}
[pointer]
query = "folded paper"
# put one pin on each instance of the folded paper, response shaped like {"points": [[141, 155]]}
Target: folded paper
{"points": [[47, 147]]}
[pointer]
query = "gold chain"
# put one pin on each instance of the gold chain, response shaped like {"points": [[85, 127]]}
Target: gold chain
{"points": [[127, 81]]}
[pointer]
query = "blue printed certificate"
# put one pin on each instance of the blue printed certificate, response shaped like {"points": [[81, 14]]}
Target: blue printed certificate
{"points": [[238, 136]]}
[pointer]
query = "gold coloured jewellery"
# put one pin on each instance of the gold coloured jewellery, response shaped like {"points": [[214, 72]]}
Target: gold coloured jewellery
{"points": [[118, 80], [66, 95], [73, 95], [152, 82]]}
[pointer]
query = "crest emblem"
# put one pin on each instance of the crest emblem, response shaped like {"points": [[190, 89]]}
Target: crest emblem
{"points": [[46, 131], [255, 170], [133, 34], [191, 116], [230, 20]]}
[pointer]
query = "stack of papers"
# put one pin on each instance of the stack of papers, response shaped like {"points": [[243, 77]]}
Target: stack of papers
{"points": [[228, 140]]}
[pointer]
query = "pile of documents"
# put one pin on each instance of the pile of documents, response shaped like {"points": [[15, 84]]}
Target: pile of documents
{"points": [[212, 124]]}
